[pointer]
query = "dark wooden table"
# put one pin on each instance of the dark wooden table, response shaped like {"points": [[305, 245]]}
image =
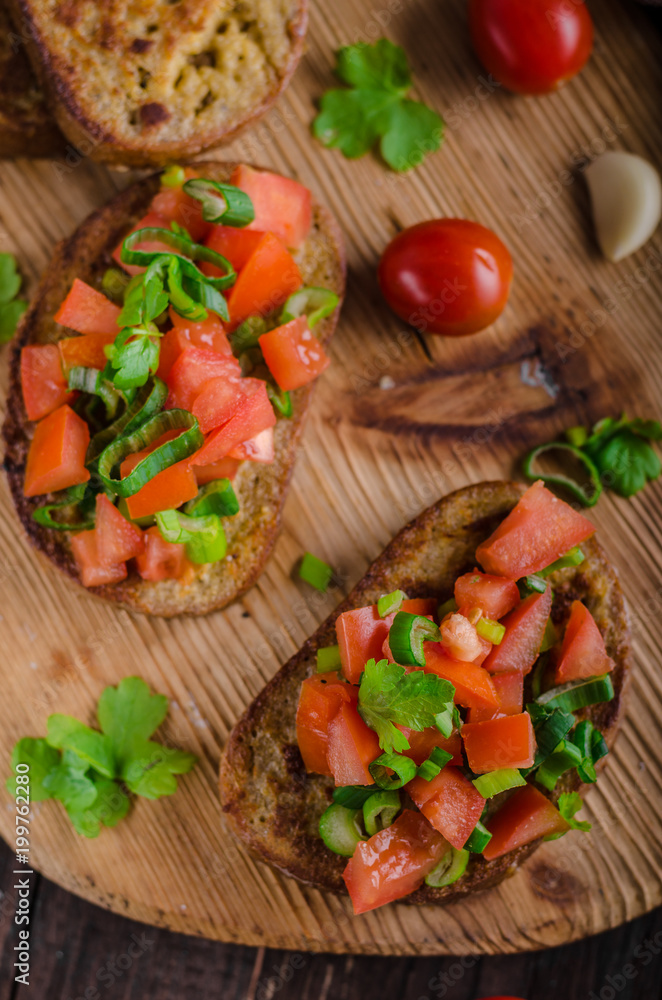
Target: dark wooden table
{"points": [[80, 951]]}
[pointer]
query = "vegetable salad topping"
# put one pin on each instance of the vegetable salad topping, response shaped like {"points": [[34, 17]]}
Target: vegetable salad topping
{"points": [[180, 368], [448, 727]]}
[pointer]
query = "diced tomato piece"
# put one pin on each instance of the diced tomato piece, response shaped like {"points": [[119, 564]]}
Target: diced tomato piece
{"points": [[538, 530], [88, 311], [268, 278], [450, 802], [254, 414], [509, 687], [257, 449], [526, 816], [225, 468], [94, 571], [117, 539], [320, 699], [218, 400], [282, 206], [525, 628], [362, 633], [421, 744], [56, 459], [161, 560], [352, 745], [473, 685], [393, 863], [583, 652], [87, 351], [194, 367], [42, 381], [208, 333], [293, 354], [167, 490], [236, 245], [174, 205], [150, 221], [494, 595], [460, 638], [496, 743]]}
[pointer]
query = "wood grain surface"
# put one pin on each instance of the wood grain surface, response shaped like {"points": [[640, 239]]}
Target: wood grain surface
{"points": [[397, 422]]}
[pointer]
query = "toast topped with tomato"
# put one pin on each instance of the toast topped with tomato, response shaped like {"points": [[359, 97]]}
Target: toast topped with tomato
{"points": [[153, 83], [160, 381], [442, 721]]}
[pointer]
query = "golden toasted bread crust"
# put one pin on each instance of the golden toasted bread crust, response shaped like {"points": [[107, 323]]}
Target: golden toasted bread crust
{"points": [[270, 801], [260, 488], [26, 127], [151, 83]]}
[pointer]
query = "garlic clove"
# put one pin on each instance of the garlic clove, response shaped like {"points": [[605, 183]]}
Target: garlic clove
{"points": [[626, 194]]}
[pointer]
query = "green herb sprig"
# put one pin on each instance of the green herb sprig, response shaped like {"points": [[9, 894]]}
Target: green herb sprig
{"points": [[389, 696], [91, 772], [375, 108], [11, 308]]}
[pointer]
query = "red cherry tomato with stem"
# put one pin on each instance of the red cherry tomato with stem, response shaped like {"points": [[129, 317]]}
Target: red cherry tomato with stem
{"points": [[446, 276], [531, 46]]}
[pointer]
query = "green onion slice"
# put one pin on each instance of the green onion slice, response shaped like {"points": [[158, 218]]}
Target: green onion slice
{"points": [[315, 572], [566, 756], [557, 479], [353, 796], [574, 557], [404, 769], [478, 840], [449, 607], [328, 658], [491, 630], [451, 867], [183, 248], [79, 500], [204, 536], [247, 335], [339, 829], [577, 436], [389, 603], [114, 283], [315, 303], [592, 746], [148, 401], [380, 810], [217, 497], [494, 782], [173, 177], [221, 203], [280, 400], [161, 458], [92, 381], [551, 725], [431, 767], [407, 635], [579, 694]]}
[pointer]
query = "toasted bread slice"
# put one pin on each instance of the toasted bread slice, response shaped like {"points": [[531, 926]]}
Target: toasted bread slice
{"points": [[26, 126], [260, 488], [274, 805], [156, 82]]}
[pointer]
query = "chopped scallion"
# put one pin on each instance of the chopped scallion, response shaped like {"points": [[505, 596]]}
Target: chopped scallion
{"points": [[407, 635], [578, 694], [494, 782], [479, 839], [491, 630], [451, 867], [380, 810], [328, 658], [574, 557], [390, 603], [449, 607], [315, 572], [403, 767]]}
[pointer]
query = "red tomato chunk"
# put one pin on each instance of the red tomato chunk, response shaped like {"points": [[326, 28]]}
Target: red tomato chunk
{"points": [[282, 205], [293, 354], [319, 702], [497, 743], [56, 459], [352, 746], [525, 629], [583, 652], [526, 816], [450, 802], [42, 380], [494, 595]]}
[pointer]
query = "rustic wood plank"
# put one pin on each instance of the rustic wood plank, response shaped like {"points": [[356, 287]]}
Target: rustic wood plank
{"points": [[458, 411]]}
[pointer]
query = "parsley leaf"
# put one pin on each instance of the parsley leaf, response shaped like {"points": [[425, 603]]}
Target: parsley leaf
{"points": [[135, 355], [376, 108], [41, 758], [67, 782], [128, 715], [11, 308], [389, 696], [109, 806], [95, 749], [570, 803], [152, 769], [622, 454]]}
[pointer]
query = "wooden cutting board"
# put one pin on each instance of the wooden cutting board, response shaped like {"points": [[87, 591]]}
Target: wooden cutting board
{"points": [[397, 422]]}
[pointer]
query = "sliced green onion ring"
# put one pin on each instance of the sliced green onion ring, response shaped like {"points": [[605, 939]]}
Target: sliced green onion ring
{"points": [[574, 557], [173, 177], [78, 497], [379, 811], [315, 303], [592, 746], [407, 635], [579, 694], [328, 658], [221, 203], [566, 756], [445, 721], [431, 767], [161, 458], [403, 767], [92, 381], [491, 630], [353, 796], [203, 536], [451, 867], [449, 607], [339, 829], [280, 399], [217, 497], [148, 401], [550, 726], [185, 249], [315, 572], [494, 782], [389, 603], [569, 484], [478, 840]]}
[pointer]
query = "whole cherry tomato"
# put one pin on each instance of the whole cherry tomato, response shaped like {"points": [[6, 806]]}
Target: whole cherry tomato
{"points": [[447, 276], [531, 46]]}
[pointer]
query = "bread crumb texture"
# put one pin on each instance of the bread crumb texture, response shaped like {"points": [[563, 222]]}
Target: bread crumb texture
{"points": [[23, 105], [164, 71]]}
